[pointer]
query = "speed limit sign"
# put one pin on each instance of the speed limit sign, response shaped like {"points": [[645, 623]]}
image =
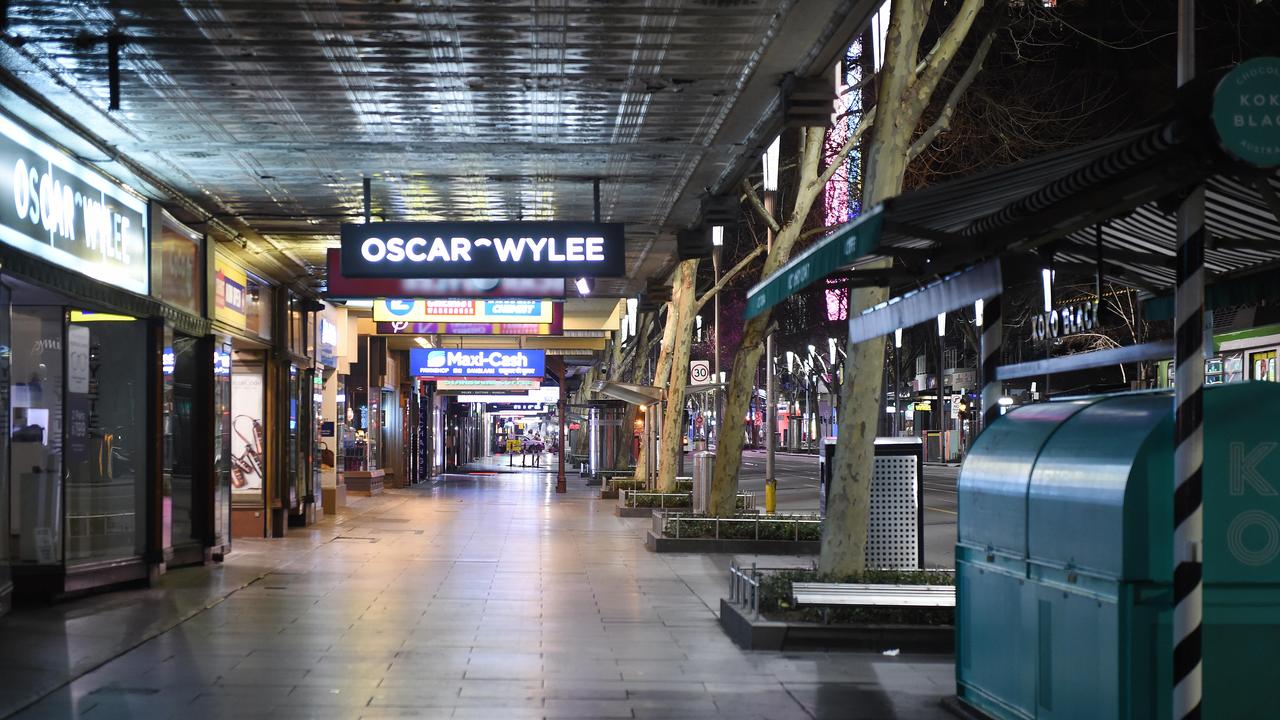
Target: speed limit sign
{"points": [[700, 370]]}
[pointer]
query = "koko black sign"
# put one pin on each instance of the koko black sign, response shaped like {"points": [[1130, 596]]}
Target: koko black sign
{"points": [[553, 249]]}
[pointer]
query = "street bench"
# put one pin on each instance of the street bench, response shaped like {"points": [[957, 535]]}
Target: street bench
{"points": [[873, 595]]}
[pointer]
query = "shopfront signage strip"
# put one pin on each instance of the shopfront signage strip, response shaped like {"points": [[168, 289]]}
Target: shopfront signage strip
{"points": [[68, 214], [478, 311], [483, 249], [477, 363], [1065, 322]]}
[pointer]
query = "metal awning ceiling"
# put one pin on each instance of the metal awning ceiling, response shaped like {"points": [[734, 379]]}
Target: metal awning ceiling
{"points": [[1123, 187], [263, 117]]}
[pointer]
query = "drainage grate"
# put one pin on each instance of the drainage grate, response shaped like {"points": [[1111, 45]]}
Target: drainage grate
{"points": [[116, 690], [354, 539]]}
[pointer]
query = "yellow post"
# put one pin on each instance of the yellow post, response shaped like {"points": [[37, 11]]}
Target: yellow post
{"points": [[771, 496]]}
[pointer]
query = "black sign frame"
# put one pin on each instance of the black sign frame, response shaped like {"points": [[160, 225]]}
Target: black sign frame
{"points": [[547, 249]]}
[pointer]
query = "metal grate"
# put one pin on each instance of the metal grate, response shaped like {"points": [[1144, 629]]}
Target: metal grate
{"points": [[892, 531]]}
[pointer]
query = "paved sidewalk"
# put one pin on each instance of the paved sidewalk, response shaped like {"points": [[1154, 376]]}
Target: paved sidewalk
{"points": [[479, 596]]}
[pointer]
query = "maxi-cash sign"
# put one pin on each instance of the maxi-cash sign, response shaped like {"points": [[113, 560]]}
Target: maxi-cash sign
{"points": [[68, 214], [556, 249], [477, 363]]}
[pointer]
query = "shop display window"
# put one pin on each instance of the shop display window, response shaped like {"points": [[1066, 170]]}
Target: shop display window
{"points": [[222, 437], [106, 400], [35, 440], [180, 434], [248, 428], [1264, 366]]}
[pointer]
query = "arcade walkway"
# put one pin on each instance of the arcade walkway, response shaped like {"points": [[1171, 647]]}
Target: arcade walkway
{"points": [[482, 596]]}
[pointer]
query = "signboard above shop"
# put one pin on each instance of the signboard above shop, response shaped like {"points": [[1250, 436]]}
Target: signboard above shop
{"points": [[480, 311], [341, 286], [553, 249], [477, 363], [65, 213]]}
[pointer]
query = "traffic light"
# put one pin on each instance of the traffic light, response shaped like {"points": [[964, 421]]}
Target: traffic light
{"points": [[962, 408]]}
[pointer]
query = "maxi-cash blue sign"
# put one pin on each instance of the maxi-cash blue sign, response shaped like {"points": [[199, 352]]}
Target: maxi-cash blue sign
{"points": [[477, 363]]}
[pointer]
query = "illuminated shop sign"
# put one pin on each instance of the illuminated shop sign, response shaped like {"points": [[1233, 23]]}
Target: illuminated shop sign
{"points": [[463, 311], [473, 363], [341, 286], [61, 211], [518, 407], [407, 328], [554, 249], [489, 385]]}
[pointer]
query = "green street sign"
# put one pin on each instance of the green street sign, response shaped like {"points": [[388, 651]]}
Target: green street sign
{"points": [[850, 242], [1246, 111]]}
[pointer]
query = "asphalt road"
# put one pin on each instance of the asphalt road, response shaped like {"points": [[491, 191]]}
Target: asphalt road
{"points": [[798, 492]]}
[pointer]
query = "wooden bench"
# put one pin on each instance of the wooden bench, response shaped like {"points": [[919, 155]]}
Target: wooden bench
{"points": [[874, 595]]}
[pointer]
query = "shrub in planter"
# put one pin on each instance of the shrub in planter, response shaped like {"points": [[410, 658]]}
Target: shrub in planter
{"points": [[684, 486], [630, 485], [670, 500], [775, 598], [770, 528]]}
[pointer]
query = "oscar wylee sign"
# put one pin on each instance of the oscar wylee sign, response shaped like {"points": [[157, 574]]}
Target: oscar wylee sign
{"points": [[553, 249], [66, 213]]}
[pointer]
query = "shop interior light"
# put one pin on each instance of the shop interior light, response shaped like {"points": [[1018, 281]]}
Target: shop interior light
{"points": [[1046, 279], [84, 316], [791, 361], [422, 342], [632, 305], [1005, 401], [770, 160], [584, 288], [977, 312], [897, 338], [717, 235], [831, 345]]}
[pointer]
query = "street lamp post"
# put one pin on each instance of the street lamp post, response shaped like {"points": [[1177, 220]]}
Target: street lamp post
{"points": [[771, 413], [717, 242]]}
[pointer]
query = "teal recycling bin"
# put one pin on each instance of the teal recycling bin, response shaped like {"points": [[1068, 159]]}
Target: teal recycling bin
{"points": [[1064, 558]]}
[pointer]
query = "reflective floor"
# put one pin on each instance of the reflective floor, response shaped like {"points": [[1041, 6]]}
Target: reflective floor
{"points": [[481, 596]]}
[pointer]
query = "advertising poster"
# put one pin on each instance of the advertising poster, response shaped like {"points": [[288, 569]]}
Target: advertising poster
{"points": [[230, 282], [247, 451], [177, 267]]}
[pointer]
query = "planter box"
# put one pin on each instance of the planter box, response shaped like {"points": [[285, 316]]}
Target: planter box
{"points": [[608, 494], [659, 544], [630, 512], [760, 634]]}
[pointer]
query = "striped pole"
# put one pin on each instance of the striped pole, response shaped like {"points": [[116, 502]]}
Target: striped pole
{"points": [[1188, 457], [992, 339], [1188, 421]]}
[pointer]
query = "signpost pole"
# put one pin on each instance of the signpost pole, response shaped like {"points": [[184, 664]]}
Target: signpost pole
{"points": [[770, 399], [1188, 454], [560, 481]]}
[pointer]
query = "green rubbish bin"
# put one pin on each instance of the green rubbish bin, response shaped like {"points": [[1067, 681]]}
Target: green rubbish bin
{"points": [[1064, 558]]}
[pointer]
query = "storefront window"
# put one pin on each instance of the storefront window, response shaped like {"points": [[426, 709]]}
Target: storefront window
{"points": [[1264, 366], [180, 436], [106, 439], [4, 432], [257, 311], [222, 439], [35, 455]]}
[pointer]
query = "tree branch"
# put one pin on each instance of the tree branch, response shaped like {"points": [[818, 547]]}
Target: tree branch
{"points": [[943, 122], [940, 56], [728, 276], [854, 138], [749, 190]]}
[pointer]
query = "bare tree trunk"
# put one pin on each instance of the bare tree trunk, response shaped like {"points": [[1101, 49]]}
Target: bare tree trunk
{"points": [[660, 375], [904, 93], [682, 307], [724, 480]]}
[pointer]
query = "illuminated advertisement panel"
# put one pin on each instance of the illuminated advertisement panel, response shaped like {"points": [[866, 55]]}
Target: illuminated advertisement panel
{"points": [[463, 311]]}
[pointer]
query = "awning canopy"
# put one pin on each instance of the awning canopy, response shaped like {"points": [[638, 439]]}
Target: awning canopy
{"points": [[1114, 198]]}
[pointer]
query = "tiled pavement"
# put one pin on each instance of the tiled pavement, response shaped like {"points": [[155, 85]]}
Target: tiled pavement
{"points": [[478, 597]]}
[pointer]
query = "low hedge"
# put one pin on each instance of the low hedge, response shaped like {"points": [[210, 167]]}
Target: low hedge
{"points": [[670, 500], [771, 528], [775, 598], [628, 484]]}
